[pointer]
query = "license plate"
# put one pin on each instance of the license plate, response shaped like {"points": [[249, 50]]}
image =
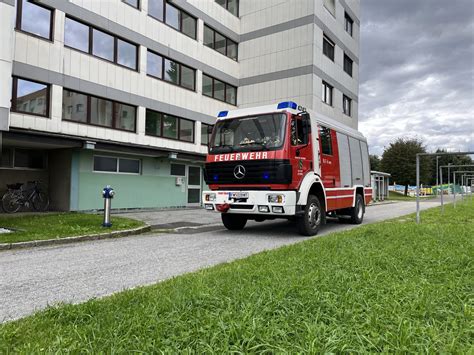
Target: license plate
{"points": [[238, 195]]}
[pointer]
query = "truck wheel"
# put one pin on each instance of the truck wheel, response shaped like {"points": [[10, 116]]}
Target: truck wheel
{"points": [[312, 219], [233, 222], [357, 212]]}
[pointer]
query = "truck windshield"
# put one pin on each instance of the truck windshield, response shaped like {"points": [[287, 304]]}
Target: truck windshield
{"points": [[264, 132]]}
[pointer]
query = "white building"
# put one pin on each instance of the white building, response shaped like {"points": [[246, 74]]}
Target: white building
{"points": [[106, 92]]}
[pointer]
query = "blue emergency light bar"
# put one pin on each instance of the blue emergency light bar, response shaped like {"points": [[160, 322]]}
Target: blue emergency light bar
{"points": [[223, 114], [287, 104]]}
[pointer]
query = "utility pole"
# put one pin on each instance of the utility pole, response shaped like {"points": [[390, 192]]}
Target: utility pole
{"points": [[437, 172]]}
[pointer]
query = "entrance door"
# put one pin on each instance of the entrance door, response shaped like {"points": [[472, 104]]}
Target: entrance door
{"points": [[194, 185]]}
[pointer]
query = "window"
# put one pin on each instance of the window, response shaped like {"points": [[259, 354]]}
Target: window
{"points": [[348, 64], [178, 169], [105, 164], [116, 165], [330, 5], [168, 126], [220, 43], [25, 95], [231, 5], [156, 9], [346, 105], [35, 19], [348, 24], [129, 166], [173, 72], [101, 112], [325, 138], [154, 65], [23, 159], [219, 90], [73, 99], [327, 93], [133, 3], [126, 54], [205, 135], [297, 133], [76, 35], [328, 48], [6, 158], [173, 17], [100, 44], [98, 112]]}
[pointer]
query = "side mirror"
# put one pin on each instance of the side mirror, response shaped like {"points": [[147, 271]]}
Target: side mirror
{"points": [[209, 129]]}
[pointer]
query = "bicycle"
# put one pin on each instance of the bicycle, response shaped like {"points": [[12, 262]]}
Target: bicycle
{"points": [[19, 195]]}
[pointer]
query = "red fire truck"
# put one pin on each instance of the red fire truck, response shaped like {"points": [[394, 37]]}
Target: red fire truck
{"points": [[282, 161]]}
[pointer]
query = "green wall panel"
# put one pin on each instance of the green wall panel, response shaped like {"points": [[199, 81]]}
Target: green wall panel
{"points": [[153, 188]]}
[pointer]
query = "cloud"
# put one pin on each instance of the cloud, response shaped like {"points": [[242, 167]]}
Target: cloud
{"points": [[417, 72]]}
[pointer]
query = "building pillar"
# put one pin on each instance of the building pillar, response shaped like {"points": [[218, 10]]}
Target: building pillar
{"points": [[7, 19]]}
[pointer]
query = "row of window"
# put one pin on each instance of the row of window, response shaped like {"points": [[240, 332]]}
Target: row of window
{"points": [[37, 19], [171, 71], [220, 43], [100, 44], [328, 51], [173, 17], [327, 97], [231, 5], [33, 98], [330, 5], [116, 165], [219, 90]]}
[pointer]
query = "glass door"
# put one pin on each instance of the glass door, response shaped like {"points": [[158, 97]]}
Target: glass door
{"points": [[194, 185]]}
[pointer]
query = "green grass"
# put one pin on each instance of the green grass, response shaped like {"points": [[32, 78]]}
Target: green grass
{"points": [[58, 225], [388, 287]]}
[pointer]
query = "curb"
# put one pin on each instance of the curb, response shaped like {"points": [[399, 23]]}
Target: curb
{"points": [[69, 240]]}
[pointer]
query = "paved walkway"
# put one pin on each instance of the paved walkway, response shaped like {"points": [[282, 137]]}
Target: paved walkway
{"points": [[31, 279]]}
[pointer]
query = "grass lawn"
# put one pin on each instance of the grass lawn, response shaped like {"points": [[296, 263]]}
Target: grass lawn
{"points": [[389, 287], [58, 225]]}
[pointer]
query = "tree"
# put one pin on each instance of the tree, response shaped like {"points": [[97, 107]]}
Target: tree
{"points": [[375, 162], [399, 159]]}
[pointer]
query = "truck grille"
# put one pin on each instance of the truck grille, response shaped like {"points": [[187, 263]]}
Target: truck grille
{"points": [[256, 172]]}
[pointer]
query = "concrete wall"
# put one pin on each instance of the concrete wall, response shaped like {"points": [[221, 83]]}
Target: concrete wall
{"points": [[6, 56]]}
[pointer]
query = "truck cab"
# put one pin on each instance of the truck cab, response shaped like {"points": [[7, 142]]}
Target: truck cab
{"points": [[283, 161]]}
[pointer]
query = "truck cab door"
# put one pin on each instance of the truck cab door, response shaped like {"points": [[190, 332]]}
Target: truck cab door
{"points": [[329, 157], [301, 150]]}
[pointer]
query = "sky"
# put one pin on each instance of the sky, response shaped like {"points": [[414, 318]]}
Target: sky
{"points": [[417, 73]]}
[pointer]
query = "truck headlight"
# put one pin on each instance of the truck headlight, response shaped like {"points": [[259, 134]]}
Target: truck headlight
{"points": [[210, 197], [276, 198]]}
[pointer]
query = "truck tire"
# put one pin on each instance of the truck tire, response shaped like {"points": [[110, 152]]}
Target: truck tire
{"points": [[357, 212], [233, 222], [312, 219]]}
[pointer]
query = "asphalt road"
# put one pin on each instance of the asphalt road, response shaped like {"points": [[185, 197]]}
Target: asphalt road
{"points": [[32, 279]]}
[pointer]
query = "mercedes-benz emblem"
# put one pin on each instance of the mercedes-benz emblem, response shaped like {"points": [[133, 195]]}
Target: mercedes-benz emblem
{"points": [[239, 172]]}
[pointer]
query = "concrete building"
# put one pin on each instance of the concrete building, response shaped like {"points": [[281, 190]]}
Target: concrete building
{"points": [[123, 92]]}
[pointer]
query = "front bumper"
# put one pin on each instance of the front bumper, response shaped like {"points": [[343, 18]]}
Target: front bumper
{"points": [[251, 202]]}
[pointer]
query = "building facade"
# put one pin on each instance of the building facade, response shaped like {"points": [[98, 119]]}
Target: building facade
{"points": [[123, 92]]}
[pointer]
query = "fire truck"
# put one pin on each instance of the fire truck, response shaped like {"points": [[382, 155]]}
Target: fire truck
{"points": [[283, 161]]}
